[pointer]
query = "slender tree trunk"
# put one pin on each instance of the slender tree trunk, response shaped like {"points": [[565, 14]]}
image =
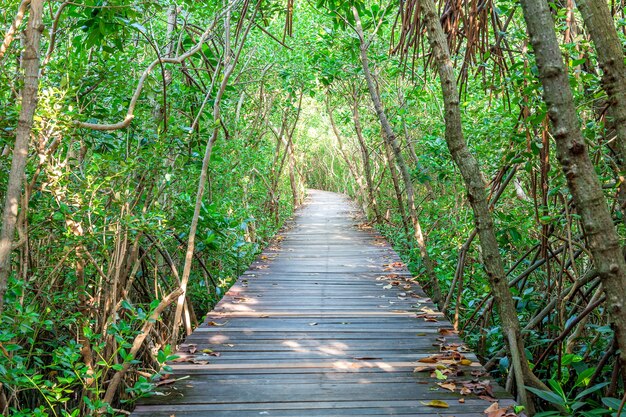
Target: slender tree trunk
{"points": [[30, 64], [391, 139], [396, 186], [601, 27], [365, 156], [477, 196], [367, 203], [292, 157], [295, 195], [229, 66], [579, 171]]}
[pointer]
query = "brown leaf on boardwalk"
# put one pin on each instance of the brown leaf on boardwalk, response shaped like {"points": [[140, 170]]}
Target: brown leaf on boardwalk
{"points": [[494, 410], [462, 400], [450, 386], [213, 323], [423, 368], [437, 404], [447, 332]]}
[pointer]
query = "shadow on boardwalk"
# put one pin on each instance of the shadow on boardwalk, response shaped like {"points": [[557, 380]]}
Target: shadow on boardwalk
{"points": [[327, 324]]}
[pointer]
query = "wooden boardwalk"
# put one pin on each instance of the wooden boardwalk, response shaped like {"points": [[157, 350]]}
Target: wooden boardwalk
{"points": [[327, 322]]}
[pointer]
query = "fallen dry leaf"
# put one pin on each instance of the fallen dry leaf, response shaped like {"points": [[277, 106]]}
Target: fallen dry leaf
{"points": [[212, 323], [437, 404], [494, 410], [447, 332], [447, 385]]}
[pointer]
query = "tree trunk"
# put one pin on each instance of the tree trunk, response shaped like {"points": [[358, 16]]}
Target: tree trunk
{"points": [[477, 196], [229, 65], [364, 195], [601, 27], [30, 63], [396, 186], [365, 156], [391, 139], [579, 171]]}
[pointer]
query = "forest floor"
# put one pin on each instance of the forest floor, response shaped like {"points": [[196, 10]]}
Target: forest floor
{"points": [[327, 322]]}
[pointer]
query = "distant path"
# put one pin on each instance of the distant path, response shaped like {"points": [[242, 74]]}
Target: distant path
{"points": [[313, 330]]}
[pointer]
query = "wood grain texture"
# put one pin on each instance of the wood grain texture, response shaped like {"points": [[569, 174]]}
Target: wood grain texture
{"points": [[326, 322]]}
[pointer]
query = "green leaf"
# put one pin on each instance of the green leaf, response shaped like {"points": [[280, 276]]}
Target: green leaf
{"points": [[612, 403], [584, 377], [591, 390], [547, 396]]}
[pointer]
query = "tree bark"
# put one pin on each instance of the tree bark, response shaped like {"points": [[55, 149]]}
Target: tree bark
{"points": [[365, 156], [601, 27], [477, 197], [30, 64], [579, 171], [396, 186], [391, 139]]}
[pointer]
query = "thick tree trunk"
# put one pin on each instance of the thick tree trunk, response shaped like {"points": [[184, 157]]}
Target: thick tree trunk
{"points": [[601, 27], [477, 196], [30, 64], [579, 171], [391, 139]]}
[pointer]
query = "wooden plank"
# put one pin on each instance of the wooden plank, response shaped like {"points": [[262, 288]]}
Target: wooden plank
{"points": [[314, 328]]}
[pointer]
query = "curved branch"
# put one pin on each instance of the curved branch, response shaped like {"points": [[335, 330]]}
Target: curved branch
{"points": [[159, 61], [53, 33], [8, 38]]}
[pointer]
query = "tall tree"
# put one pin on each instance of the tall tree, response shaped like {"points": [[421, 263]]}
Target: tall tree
{"points": [[390, 137], [30, 64], [579, 171], [477, 197], [601, 27]]}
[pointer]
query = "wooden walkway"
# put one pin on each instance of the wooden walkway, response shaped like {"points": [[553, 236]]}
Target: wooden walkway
{"points": [[327, 322]]}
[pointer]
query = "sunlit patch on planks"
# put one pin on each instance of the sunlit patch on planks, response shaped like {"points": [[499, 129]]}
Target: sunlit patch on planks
{"points": [[327, 323]]}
